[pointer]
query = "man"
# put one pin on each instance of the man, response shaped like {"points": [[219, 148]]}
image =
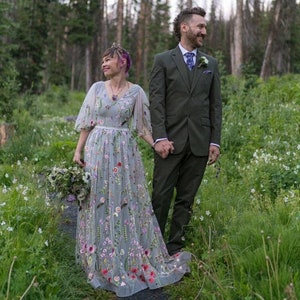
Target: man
{"points": [[186, 114]]}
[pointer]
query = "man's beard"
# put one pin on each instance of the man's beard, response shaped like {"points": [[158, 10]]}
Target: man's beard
{"points": [[193, 39]]}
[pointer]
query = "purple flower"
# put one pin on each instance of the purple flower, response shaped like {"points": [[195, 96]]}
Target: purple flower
{"points": [[71, 198]]}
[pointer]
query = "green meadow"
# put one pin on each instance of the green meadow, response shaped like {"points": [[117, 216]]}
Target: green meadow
{"points": [[245, 229]]}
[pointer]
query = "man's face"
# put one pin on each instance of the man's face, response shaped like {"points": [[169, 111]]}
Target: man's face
{"points": [[194, 31]]}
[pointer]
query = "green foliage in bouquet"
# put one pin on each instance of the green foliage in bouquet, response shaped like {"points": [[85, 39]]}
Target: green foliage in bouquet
{"points": [[71, 183]]}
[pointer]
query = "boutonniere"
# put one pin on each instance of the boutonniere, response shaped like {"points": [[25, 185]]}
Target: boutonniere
{"points": [[202, 62]]}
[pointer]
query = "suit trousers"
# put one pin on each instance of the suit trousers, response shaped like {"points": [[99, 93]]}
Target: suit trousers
{"points": [[181, 173]]}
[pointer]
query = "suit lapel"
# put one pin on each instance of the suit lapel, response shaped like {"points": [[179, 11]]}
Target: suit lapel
{"points": [[198, 72], [181, 65]]}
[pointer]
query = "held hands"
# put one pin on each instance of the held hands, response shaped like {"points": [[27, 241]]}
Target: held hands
{"points": [[214, 153], [77, 159], [163, 148]]}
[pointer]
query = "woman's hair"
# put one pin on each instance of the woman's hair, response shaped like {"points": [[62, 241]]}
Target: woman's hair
{"points": [[121, 53], [184, 16]]}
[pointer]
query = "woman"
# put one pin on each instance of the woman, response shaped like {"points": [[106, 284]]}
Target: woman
{"points": [[119, 243]]}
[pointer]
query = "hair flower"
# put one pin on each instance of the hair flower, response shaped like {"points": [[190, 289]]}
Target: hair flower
{"points": [[202, 62]]}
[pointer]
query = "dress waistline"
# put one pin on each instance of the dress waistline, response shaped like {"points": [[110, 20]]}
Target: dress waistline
{"points": [[115, 128]]}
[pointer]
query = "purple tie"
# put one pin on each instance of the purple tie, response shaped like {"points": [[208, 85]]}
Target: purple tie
{"points": [[190, 60]]}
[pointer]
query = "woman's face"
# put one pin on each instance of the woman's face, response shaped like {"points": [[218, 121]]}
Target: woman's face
{"points": [[111, 66]]}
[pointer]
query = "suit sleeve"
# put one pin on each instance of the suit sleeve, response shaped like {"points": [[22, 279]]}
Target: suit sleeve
{"points": [[216, 108], [157, 93]]}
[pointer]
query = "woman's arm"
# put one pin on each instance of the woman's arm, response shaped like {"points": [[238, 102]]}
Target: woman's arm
{"points": [[80, 145]]}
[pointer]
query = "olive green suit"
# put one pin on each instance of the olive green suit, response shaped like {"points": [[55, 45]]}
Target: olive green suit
{"points": [[185, 108]]}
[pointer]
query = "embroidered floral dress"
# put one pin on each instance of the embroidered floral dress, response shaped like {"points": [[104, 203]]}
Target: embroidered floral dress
{"points": [[119, 243]]}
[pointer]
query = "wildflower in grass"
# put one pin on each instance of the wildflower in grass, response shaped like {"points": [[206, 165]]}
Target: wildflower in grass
{"points": [[40, 230], [3, 204], [207, 213], [46, 243], [9, 228]]}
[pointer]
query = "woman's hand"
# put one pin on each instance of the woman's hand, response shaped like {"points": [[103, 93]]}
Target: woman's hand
{"points": [[163, 148], [78, 160]]}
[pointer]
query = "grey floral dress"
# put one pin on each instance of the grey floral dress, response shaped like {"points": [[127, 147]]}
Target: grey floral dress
{"points": [[119, 243]]}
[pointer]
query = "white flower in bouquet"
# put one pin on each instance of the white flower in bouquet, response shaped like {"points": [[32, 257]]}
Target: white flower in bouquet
{"points": [[70, 183]]}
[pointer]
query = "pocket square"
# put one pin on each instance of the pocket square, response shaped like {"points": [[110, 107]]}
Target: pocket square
{"points": [[207, 72]]}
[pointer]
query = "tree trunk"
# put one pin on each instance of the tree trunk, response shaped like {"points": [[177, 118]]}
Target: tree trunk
{"points": [[140, 39], [277, 58], [88, 69], [146, 43], [73, 68], [6, 131], [266, 68], [120, 17], [237, 46]]}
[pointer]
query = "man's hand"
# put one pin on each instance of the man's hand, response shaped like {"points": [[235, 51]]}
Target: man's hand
{"points": [[214, 153], [163, 148]]}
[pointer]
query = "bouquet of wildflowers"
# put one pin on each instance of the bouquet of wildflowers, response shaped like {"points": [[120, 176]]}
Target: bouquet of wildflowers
{"points": [[70, 183]]}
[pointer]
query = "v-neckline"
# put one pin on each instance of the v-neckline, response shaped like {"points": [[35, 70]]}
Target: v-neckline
{"points": [[109, 94]]}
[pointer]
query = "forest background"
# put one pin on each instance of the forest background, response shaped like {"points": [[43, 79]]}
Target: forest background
{"points": [[244, 234], [46, 43]]}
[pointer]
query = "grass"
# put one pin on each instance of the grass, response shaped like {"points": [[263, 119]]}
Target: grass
{"points": [[244, 233]]}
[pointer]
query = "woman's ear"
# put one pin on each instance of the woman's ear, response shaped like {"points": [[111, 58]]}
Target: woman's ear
{"points": [[123, 62]]}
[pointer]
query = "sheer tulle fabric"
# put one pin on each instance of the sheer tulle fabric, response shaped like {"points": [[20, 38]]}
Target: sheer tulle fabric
{"points": [[119, 243]]}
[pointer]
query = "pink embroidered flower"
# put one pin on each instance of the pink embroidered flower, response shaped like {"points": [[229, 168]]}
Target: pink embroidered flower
{"points": [[115, 170], [134, 270], [104, 272], [92, 248], [83, 248], [145, 267], [152, 274], [119, 164], [151, 279]]}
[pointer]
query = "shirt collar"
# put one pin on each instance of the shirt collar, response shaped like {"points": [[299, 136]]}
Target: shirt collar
{"points": [[184, 51]]}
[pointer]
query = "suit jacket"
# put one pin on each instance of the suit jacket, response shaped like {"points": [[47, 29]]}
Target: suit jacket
{"points": [[185, 105]]}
